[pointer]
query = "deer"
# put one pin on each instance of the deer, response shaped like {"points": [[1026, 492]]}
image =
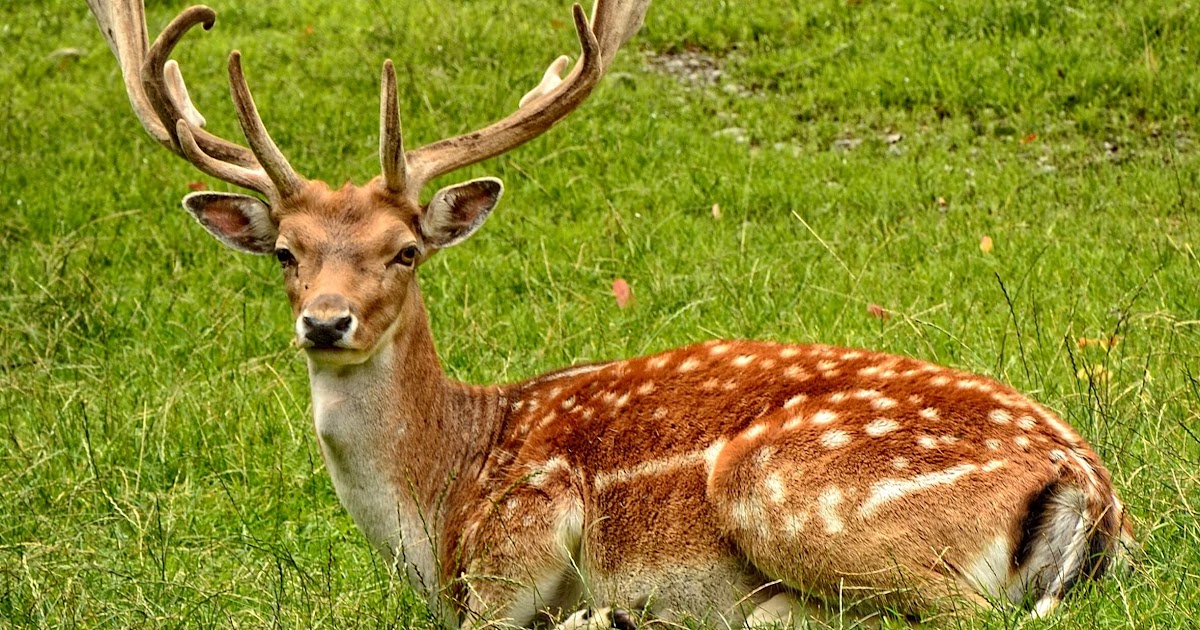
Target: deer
{"points": [[731, 482]]}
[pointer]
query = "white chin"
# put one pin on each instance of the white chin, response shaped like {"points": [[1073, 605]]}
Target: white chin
{"points": [[336, 356]]}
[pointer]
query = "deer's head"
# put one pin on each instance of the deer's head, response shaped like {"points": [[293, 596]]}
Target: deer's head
{"points": [[348, 256]]}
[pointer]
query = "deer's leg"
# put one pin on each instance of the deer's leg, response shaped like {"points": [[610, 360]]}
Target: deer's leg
{"points": [[520, 553]]}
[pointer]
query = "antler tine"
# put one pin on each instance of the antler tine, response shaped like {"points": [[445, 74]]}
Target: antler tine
{"points": [[158, 89], [225, 171], [391, 141], [614, 22], [178, 93], [160, 100], [287, 182]]}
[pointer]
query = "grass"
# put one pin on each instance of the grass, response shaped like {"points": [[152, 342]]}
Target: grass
{"points": [[158, 467]]}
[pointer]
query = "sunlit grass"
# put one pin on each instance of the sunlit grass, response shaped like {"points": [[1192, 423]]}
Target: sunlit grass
{"points": [[158, 467]]}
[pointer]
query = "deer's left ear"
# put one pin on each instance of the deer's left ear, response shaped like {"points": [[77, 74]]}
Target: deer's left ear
{"points": [[457, 211]]}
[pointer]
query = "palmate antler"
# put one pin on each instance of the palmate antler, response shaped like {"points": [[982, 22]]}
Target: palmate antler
{"points": [[160, 99]]}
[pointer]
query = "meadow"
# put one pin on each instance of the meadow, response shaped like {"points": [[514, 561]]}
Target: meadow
{"points": [[1005, 187]]}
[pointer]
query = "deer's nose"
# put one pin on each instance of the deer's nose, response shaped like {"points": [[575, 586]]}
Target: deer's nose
{"points": [[325, 322]]}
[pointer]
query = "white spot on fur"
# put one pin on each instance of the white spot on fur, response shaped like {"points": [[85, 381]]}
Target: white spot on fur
{"points": [[1057, 456], [1027, 423], [948, 440], [794, 400], [827, 504], [867, 394], [994, 464], [754, 432], [881, 426], [645, 388], [992, 444], [688, 365], [793, 423], [568, 404], [659, 361], [622, 400], [837, 397], [660, 413], [835, 439], [710, 455], [900, 463], [795, 373], [789, 352], [743, 360], [870, 370], [851, 355], [1000, 416], [915, 399], [827, 366], [889, 490], [927, 441], [883, 403], [939, 381], [929, 413], [767, 364], [730, 385], [1022, 442], [719, 349], [711, 384], [747, 513], [824, 416], [776, 492], [588, 412]]}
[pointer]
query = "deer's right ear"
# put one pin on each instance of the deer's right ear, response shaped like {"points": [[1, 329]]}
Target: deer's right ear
{"points": [[240, 221]]}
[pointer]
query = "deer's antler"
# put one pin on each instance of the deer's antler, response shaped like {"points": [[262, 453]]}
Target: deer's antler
{"points": [[613, 23], [160, 100]]}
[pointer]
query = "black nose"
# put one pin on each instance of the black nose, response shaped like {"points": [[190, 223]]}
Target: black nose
{"points": [[325, 333]]}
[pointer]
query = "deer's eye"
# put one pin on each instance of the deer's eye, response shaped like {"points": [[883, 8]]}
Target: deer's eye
{"points": [[285, 257], [407, 256]]}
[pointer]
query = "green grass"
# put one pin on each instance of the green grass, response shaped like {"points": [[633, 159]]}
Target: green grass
{"points": [[158, 468]]}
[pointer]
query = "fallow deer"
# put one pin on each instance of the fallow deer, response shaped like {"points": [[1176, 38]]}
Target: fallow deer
{"points": [[733, 482]]}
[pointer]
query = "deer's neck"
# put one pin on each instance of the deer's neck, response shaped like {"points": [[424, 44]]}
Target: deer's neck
{"points": [[399, 438]]}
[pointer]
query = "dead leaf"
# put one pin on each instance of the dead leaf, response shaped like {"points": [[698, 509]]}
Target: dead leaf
{"points": [[716, 211], [942, 203], [1029, 138], [878, 312], [985, 244], [195, 186], [622, 292]]}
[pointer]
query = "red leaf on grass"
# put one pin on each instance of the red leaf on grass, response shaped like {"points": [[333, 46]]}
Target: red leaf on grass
{"points": [[877, 311], [195, 186], [1029, 138], [622, 292]]}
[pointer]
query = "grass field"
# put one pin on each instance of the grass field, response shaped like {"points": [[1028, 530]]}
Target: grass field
{"points": [[158, 467]]}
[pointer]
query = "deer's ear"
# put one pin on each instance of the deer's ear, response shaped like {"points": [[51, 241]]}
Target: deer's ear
{"points": [[240, 221], [455, 212]]}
